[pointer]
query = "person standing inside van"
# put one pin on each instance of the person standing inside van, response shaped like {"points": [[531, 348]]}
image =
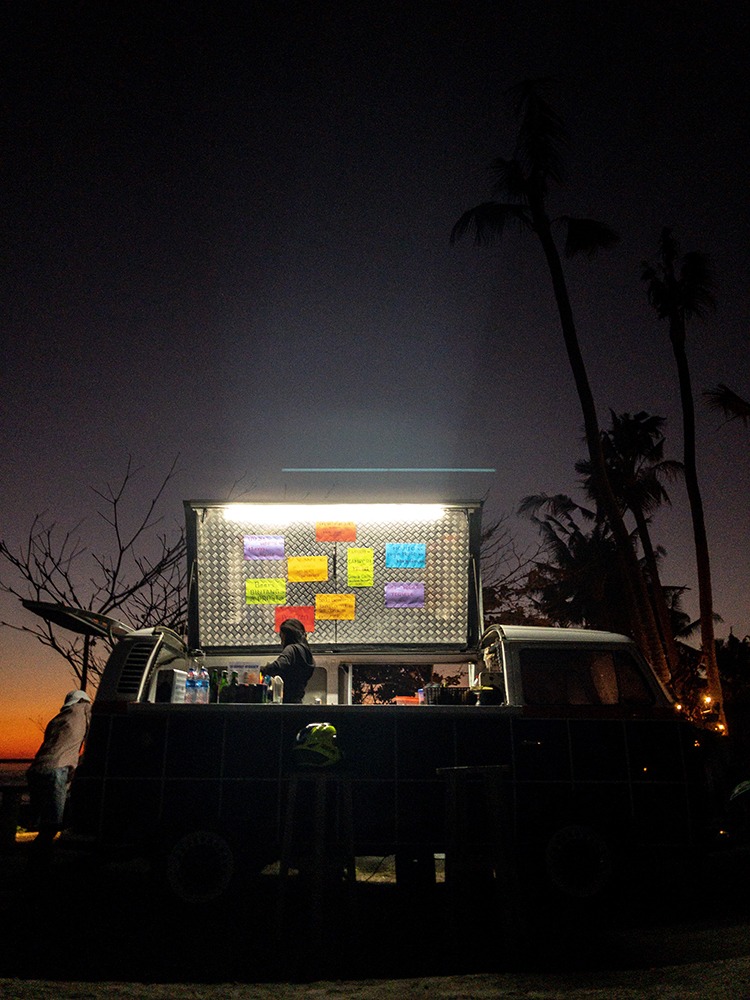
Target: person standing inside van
{"points": [[295, 663], [51, 772]]}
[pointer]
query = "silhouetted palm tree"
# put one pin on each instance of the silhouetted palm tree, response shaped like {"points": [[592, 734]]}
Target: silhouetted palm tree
{"points": [[578, 582], [522, 182], [680, 288], [634, 455], [727, 401]]}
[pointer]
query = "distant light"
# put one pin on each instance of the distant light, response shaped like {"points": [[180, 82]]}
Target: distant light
{"points": [[405, 469], [362, 513]]}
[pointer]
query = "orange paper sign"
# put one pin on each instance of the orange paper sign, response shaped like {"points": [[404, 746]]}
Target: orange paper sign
{"points": [[335, 531], [335, 607], [307, 568]]}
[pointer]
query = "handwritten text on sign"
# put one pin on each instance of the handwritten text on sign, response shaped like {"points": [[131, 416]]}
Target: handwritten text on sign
{"points": [[306, 568], [335, 607], [335, 531], [404, 595], [360, 567], [405, 555], [305, 614], [265, 591], [263, 546]]}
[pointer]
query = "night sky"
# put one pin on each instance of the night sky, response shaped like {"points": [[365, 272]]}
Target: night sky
{"points": [[226, 236]]}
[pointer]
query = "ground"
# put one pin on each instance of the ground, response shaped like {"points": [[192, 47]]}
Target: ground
{"points": [[102, 929], [723, 980]]}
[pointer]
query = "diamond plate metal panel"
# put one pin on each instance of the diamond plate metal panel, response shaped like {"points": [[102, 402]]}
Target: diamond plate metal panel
{"points": [[226, 620]]}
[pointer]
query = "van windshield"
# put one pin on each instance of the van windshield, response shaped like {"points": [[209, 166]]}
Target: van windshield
{"points": [[582, 677]]}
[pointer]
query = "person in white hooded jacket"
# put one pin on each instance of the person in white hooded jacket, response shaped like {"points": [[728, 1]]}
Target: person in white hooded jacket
{"points": [[51, 773]]}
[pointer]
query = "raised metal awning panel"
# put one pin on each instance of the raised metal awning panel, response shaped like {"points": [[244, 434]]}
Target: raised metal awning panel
{"points": [[225, 619]]}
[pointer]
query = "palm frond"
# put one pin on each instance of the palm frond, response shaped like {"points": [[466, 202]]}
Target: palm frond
{"points": [[542, 136], [723, 399], [488, 221], [533, 503], [679, 286], [587, 236], [556, 505], [510, 180], [669, 248], [656, 289], [697, 285]]}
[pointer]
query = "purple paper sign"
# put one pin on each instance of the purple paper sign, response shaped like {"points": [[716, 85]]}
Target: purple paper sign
{"points": [[264, 546], [404, 595]]}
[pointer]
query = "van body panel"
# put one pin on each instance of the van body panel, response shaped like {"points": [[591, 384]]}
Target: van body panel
{"points": [[155, 771]]}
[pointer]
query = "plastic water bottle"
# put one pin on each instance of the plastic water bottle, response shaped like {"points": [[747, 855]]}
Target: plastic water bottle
{"points": [[190, 690], [277, 690], [202, 687]]}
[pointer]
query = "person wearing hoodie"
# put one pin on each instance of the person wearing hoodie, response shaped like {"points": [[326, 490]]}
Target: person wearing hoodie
{"points": [[295, 663], [51, 772]]}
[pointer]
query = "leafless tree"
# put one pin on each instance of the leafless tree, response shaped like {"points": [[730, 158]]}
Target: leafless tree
{"points": [[505, 570], [139, 577]]}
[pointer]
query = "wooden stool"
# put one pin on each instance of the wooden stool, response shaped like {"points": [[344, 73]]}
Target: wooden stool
{"points": [[467, 853], [325, 843]]}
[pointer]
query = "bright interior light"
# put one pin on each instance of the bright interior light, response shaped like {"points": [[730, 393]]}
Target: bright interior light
{"points": [[361, 513]]}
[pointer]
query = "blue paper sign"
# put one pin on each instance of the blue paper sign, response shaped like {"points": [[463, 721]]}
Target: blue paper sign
{"points": [[405, 555]]}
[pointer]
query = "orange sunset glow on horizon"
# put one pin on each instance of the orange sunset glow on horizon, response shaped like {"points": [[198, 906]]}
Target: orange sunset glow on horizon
{"points": [[32, 693]]}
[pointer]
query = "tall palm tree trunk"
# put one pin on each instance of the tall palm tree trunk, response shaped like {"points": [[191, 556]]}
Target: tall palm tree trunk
{"points": [[702, 558], [639, 608], [661, 610]]}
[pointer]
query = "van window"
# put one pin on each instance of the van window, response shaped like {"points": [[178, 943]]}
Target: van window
{"points": [[581, 676]]}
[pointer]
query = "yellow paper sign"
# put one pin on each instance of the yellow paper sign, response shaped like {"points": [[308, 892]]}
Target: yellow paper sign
{"points": [[360, 567], [335, 607], [265, 591], [307, 568]]}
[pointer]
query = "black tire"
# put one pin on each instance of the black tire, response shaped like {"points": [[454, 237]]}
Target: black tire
{"points": [[199, 867], [578, 861]]}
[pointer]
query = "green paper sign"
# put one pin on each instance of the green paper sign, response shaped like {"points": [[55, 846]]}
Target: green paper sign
{"points": [[265, 591], [360, 567]]}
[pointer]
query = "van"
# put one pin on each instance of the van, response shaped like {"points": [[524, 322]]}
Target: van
{"points": [[598, 770]]}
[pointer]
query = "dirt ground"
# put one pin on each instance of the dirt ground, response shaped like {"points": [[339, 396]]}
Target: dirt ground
{"points": [[100, 930], [727, 980]]}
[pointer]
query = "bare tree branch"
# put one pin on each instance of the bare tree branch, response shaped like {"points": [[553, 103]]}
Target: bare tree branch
{"points": [[142, 575]]}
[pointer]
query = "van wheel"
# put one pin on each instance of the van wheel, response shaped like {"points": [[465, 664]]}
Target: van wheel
{"points": [[199, 866], [578, 861]]}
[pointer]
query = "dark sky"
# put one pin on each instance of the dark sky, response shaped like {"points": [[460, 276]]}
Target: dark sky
{"points": [[226, 236]]}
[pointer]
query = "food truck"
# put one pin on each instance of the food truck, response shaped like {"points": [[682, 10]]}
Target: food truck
{"points": [[598, 768]]}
